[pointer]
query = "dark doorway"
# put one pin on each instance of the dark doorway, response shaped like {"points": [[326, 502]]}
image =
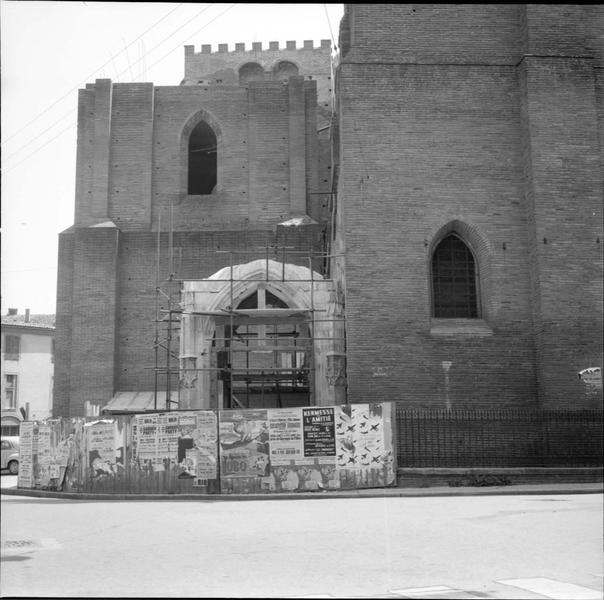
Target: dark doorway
{"points": [[202, 160]]}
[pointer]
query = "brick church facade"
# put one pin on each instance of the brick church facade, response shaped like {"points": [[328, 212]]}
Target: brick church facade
{"points": [[418, 219]]}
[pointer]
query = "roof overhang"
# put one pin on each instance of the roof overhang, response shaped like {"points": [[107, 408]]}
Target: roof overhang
{"points": [[136, 402]]}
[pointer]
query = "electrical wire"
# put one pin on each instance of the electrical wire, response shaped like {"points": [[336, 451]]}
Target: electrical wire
{"points": [[27, 144], [88, 77], [121, 73], [52, 139], [70, 112], [67, 114], [195, 33], [329, 25]]}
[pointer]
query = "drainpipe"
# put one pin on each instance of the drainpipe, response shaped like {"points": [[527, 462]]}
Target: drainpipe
{"points": [[446, 364]]}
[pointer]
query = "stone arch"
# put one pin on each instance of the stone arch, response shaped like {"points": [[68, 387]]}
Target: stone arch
{"points": [[478, 245], [292, 284], [250, 71], [284, 69], [200, 116], [281, 281]]}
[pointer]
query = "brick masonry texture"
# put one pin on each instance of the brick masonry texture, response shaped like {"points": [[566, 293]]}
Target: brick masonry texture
{"points": [[440, 127], [484, 120]]}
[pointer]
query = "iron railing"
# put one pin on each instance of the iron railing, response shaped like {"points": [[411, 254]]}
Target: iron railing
{"points": [[498, 438]]}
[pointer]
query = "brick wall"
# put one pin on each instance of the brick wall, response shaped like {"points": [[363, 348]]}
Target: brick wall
{"points": [[443, 124], [433, 131], [433, 33], [564, 201], [131, 155], [93, 316], [423, 146], [63, 320], [197, 255], [131, 171], [133, 143], [215, 68]]}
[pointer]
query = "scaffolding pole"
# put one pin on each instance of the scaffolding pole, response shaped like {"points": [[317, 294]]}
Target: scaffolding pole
{"points": [[229, 372]]}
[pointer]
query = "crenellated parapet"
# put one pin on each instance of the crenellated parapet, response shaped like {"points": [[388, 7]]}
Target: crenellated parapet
{"points": [[257, 47], [239, 65]]}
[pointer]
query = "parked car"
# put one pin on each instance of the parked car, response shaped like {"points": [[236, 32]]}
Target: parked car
{"points": [[10, 454]]}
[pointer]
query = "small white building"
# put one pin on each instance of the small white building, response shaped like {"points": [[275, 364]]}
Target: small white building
{"points": [[27, 365]]}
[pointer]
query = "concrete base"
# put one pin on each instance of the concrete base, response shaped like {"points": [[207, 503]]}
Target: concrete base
{"points": [[496, 476]]}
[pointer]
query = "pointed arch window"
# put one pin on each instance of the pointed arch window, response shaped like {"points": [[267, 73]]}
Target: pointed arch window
{"points": [[267, 300], [202, 174], [454, 280]]}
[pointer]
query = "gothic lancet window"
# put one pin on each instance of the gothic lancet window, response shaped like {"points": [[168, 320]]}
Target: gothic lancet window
{"points": [[202, 160], [454, 286]]}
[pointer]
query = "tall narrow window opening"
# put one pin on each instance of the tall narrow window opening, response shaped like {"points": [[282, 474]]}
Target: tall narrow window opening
{"points": [[454, 280], [202, 159], [10, 392]]}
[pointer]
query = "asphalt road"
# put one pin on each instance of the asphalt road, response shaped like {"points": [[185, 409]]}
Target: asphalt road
{"points": [[538, 546]]}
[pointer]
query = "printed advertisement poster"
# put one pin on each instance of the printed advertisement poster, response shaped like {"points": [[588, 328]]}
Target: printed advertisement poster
{"points": [[364, 438], [63, 447], [197, 445], [285, 435], [44, 457], [306, 474], [101, 448], [144, 435], [319, 431], [206, 441], [244, 443], [156, 440], [25, 477]]}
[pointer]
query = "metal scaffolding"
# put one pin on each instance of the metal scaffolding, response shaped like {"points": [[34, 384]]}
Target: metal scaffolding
{"points": [[168, 320], [282, 379]]}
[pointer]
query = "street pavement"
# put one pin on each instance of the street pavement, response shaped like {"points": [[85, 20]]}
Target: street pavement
{"points": [[466, 547]]}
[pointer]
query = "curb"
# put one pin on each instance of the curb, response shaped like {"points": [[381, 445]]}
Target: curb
{"points": [[514, 490]]}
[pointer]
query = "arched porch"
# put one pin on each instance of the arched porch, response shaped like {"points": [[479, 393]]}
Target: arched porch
{"points": [[260, 335]]}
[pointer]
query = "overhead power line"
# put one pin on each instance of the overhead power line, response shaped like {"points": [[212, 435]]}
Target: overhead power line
{"points": [[187, 22], [335, 47], [118, 74], [52, 139], [195, 33], [27, 144], [121, 73], [88, 77]]}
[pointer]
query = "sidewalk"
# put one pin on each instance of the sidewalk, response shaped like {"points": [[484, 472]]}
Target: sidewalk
{"points": [[392, 492]]}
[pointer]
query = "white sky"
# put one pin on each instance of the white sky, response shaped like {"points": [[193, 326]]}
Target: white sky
{"points": [[51, 49]]}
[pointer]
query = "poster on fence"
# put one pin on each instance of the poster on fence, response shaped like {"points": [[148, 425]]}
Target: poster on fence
{"points": [[25, 478], [100, 440], [365, 445], [244, 446], [43, 457], [286, 442], [180, 444], [319, 431], [206, 444], [307, 448], [197, 446], [155, 440]]}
